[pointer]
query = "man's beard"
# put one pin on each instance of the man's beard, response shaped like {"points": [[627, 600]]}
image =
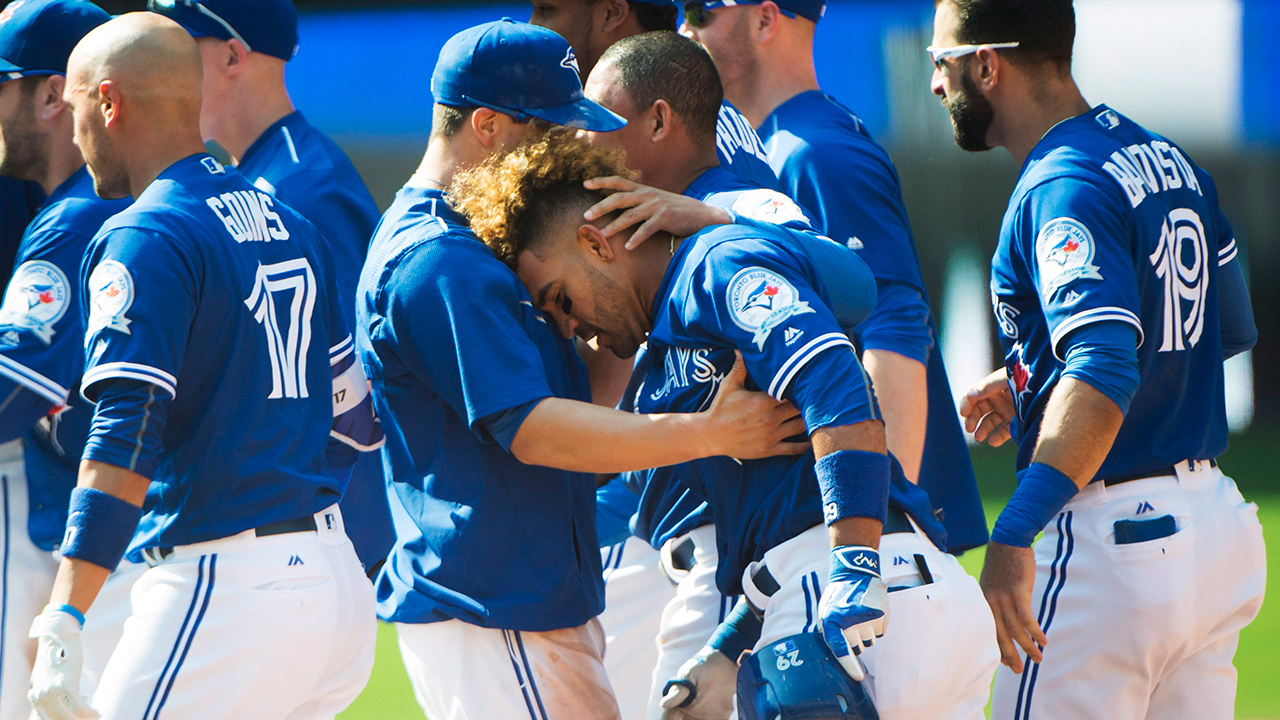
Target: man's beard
{"points": [[22, 155], [971, 116]]}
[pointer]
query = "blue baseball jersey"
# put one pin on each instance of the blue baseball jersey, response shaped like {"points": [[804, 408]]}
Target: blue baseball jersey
{"points": [[669, 508], [222, 299], [1112, 223], [458, 357], [757, 290], [20, 200], [740, 150], [830, 164], [42, 351], [307, 171]]}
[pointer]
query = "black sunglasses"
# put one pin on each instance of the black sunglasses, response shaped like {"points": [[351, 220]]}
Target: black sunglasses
{"points": [[696, 14]]}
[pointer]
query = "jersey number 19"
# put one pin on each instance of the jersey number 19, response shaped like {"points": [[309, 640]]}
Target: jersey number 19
{"points": [[1181, 261], [282, 301]]}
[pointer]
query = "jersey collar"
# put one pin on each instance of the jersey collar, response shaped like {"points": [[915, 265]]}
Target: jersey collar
{"points": [[1049, 140], [291, 120], [71, 186]]}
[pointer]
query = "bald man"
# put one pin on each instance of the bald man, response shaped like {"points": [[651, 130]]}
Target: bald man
{"points": [[211, 333]]}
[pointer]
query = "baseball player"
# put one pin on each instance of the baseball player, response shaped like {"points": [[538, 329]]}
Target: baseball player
{"points": [[592, 26], [495, 579], [758, 291], [244, 46], [667, 89], [829, 164], [43, 427], [1118, 293], [217, 357]]}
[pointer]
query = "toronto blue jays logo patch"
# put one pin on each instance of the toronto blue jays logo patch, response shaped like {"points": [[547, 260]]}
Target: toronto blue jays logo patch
{"points": [[1065, 251], [761, 300], [110, 296], [36, 299], [768, 206]]}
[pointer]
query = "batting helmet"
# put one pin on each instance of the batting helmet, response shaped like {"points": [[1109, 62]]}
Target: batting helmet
{"points": [[798, 678]]}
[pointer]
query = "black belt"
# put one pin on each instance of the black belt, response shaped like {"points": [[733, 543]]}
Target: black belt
{"points": [[156, 555], [1163, 472], [895, 522]]}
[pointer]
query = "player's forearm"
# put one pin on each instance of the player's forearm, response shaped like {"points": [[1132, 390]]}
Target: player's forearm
{"points": [[1079, 426], [581, 437], [867, 436], [79, 581], [902, 390]]}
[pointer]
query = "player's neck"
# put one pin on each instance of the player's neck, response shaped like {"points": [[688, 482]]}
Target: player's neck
{"points": [[157, 152], [1028, 116], [252, 111], [781, 76], [64, 160], [443, 159], [651, 262], [677, 177]]}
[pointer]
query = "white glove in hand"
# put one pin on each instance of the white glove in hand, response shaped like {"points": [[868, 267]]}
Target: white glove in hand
{"points": [[55, 679], [716, 678]]}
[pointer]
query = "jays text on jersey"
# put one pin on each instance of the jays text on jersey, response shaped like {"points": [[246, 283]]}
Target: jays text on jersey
{"points": [[458, 357], [828, 162], [755, 289], [41, 350], [222, 300], [307, 171], [1112, 223]]}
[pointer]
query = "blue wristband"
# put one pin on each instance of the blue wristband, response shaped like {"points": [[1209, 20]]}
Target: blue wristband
{"points": [[99, 527], [738, 633], [79, 616], [1042, 493], [854, 483]]}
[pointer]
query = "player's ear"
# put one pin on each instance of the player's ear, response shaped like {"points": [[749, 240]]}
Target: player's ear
{"points": [[768, 21], [109, 105], [661, 120], [49, 102], [485, 124], [985, 69], [613, 14], [234, 57], [593, 242]]}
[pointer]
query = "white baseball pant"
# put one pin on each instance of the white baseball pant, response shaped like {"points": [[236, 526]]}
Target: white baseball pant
{"points": [[1145, 629], [461, 671], [939, 650], [636, 592]]}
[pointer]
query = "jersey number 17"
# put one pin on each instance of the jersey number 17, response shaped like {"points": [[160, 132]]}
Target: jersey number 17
{"points": [[282, 301]]}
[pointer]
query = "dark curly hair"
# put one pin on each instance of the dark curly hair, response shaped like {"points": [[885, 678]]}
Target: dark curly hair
{"points": [[509, 198]]}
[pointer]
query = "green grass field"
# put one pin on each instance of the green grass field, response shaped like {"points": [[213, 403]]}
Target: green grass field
{"points": [[1252, 462]]}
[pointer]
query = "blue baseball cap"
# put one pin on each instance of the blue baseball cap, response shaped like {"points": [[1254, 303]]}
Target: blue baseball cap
{"points": [[519, 70], [808, 9], [266, 26], [37, 36]]}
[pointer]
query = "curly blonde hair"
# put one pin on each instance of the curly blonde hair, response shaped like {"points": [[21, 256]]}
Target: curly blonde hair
{"points": [[510, 196]]}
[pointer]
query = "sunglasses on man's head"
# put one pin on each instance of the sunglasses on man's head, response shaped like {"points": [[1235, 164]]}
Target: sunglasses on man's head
{"points": [[697, 14], [941, 55]]}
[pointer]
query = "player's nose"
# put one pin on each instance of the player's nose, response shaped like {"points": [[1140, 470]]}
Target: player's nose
{"points": [[568, 325], [937, 83], [688, 32]]}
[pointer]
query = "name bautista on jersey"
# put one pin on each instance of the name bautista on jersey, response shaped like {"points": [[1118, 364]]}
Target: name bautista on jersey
{"points": [[248, 216], [1148, 168]]}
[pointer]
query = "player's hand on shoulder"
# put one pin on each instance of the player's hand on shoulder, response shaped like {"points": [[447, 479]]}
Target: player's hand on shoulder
{"points": [[855, 605], [652, 209], [55, 678], [987, 409], [1008, 577], [703, 688], [748, 424]]}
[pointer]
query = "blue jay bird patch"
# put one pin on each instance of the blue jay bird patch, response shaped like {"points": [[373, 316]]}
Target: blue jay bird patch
{"points": [[1065, 250], [760, 300], [110, 296], [35, 300]]}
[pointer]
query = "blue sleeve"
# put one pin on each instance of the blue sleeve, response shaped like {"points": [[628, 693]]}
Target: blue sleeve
{"points": [[615, 504], [900, 323], [851, 188], [1235, 311], [759, 299], [459, 330], [140, 298], [128, 425], [1074, 237], [503, 425], [1104, 355], [40, 331]]}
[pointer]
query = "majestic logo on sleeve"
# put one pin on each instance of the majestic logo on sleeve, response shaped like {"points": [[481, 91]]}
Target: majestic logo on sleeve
{"points": [[37, 299], [761, 300], [110, 296], [1065, 251]]}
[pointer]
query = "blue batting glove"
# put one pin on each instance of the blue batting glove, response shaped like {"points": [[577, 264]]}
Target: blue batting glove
{"points": [[855, 604]]}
